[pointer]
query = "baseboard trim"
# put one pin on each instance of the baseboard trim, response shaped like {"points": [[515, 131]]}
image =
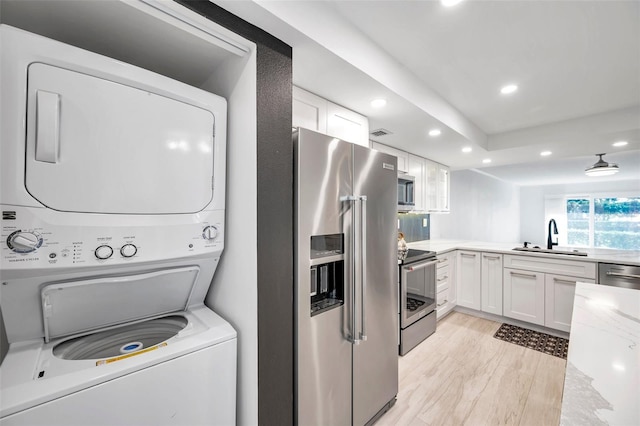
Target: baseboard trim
{"points": [[502, 319]]}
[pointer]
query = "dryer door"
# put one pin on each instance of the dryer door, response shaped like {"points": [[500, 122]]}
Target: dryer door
{"points": [[98, 146]]}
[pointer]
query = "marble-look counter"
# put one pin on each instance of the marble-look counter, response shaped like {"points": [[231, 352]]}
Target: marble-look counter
{"points": [[602, 381], [626, 257]]}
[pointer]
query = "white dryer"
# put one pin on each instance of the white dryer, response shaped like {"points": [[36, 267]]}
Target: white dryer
{"points": [[112, 196]]}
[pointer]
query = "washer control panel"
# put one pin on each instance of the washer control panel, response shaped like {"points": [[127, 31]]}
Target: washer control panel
{"points": [[35, 237]]}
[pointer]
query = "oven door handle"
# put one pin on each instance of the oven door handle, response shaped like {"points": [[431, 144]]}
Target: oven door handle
{"points": [[411, 268]]}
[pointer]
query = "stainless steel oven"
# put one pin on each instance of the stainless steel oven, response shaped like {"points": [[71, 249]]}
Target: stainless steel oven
{"points": [[417, 298]]}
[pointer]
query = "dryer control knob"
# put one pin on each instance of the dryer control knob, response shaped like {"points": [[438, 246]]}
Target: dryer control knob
{"points": [[210, 233], [24, 242], [128, 250], [104, 252]]}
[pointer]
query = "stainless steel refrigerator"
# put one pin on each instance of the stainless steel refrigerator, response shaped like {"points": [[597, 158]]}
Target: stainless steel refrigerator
{"points": [[346, 281]]}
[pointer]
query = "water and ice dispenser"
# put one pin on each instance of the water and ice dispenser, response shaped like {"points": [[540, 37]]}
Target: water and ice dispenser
{"points": [[327, 272]]}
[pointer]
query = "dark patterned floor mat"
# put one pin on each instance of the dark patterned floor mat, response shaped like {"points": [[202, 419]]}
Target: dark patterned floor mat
{"points": [[542, 342]]}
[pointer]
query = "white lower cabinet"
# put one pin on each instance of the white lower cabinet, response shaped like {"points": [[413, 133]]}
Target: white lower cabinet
{"points": [[491, 283], [445, 285], [559, 292], [468, 279], [524, 295]]}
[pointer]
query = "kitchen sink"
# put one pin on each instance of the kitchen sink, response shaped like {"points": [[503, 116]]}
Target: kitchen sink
{"points": [[540, 250]]}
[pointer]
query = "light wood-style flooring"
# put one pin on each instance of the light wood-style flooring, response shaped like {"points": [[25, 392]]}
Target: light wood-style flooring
{"points": [[462, 375]]}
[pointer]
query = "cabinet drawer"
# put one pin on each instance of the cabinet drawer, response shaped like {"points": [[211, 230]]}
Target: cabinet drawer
{"points": [[443, 303], [443, 262], [442, 283], [571, 268]]}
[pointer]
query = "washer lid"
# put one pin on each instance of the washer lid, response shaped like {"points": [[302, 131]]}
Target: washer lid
{"points": [[80, 306]]}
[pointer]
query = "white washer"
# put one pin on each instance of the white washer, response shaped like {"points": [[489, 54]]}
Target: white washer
{"points": [[112, 198]]}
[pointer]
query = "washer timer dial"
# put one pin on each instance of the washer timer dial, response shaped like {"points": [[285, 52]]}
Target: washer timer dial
{"points": [[128, 250], [210, 233], [104, 252], [24, 241]]}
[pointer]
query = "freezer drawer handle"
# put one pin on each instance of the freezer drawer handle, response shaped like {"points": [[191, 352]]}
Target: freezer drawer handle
{"points": [[47, 126], [616, 274]]}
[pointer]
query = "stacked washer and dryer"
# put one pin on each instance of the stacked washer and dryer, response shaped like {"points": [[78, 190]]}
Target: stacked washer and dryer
{"points": [[112, 198]]}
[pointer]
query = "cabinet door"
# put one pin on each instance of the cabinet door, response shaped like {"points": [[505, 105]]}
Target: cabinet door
{"points": [[431, 185], [524, 295], [468, 279], [492, 283], [416, 169], [402, 156], [443, 188], [347, 125], [309, 110], [558, 294]]}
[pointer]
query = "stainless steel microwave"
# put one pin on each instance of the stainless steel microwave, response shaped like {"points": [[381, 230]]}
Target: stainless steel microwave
{"points": [[406, 193]]}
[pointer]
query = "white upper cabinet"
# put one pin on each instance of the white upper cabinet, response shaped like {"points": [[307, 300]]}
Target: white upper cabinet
{"points": [[417, 166], [437, 187], [443, 188], [403, 157], [309, 110], [347, 125], [315, 113]]}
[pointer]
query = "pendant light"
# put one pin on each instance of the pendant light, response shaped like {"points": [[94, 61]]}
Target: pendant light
{"points": [[602, 168]]}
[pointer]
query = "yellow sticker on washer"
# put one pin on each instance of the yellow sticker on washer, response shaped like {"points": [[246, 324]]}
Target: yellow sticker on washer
{"points": [[121, 357]]}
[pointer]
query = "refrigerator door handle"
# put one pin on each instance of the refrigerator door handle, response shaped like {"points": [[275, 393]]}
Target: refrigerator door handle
{"points": [[351, 199], [363, 268]]}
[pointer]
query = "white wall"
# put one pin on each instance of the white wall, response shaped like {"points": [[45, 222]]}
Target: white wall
{"points": [[482, 208], [532, 198], [233, 293]]}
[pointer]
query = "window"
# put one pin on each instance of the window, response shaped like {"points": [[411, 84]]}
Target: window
{"points": [[578, 222], [603, 222]]}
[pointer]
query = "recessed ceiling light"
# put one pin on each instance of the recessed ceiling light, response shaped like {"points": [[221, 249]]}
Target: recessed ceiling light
{"points": [[378, 103], [545, 153], [620, 143], [466, 149], [449, 3], [508, 89], [435, 132], [486, 160]]}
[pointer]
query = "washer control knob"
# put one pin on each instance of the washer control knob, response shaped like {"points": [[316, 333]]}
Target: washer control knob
{"points": [[104, 252], [128, 250], [210, 233], [24, 242]]}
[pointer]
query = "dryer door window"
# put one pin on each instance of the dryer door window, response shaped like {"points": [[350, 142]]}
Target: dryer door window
{"points": [[98, 146]]}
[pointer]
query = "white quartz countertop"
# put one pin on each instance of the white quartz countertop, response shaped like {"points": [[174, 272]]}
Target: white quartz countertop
{"points": [[626, 257], [602, 381]]}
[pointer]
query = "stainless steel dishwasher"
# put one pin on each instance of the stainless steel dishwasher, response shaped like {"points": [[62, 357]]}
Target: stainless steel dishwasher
{"points": [[616, 275]]}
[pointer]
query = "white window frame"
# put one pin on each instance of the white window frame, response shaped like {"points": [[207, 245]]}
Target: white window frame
{"points": [[561, 218]]}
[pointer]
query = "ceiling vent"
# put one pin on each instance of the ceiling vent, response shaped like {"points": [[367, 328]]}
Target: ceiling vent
{"points": [[381, 132]]}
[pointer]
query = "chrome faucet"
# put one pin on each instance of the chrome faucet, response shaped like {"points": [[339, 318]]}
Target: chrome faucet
{"points": [[550, 243]]}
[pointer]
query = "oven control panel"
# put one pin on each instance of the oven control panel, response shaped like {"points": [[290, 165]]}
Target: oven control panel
{"points": [[44, 238]]}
